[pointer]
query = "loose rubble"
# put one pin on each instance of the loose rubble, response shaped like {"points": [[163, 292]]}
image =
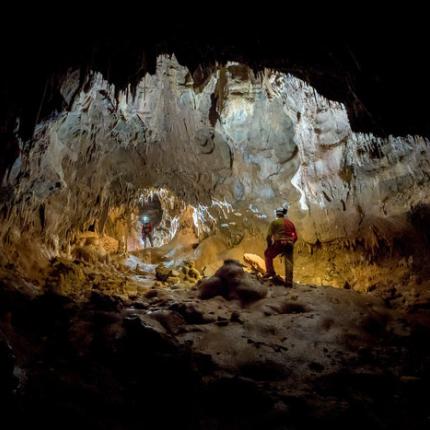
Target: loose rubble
{"points": [[232, 351]]}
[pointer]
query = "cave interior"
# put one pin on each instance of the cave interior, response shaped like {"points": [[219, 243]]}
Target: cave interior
{"points": [[203, 134]]}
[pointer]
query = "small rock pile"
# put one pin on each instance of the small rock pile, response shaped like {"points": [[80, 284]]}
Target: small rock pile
{"points": [[186, 275], [78, 279]]}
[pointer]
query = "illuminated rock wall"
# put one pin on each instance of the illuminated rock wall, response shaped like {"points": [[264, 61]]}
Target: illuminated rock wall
{"points": [[224, 134]]}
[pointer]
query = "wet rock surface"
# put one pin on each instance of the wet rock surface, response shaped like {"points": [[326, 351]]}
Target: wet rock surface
{"points": [[297, 358]]}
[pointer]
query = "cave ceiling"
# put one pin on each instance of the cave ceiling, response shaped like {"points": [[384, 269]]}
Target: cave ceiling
{"points": [[376, 66]]}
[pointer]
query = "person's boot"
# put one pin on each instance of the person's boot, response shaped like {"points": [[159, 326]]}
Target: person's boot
{"points": [[268, 276], [278, 280]]}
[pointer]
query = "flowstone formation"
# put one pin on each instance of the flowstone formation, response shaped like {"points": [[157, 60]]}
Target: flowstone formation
{"points": [[223, 139]]}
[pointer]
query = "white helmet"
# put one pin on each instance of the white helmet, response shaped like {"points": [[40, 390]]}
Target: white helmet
{"points": [[281, 211]]}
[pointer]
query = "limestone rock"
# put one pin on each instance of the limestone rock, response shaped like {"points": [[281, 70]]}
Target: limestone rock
{"points": [[212, 287], [169, 319], [231, 273], [91, 253], [250, 289], [190, 273], [162, 273], [256, 262], [231, 282], [234, 138]]}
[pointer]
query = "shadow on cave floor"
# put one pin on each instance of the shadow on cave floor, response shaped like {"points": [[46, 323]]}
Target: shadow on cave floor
{"points": [[161, 357]]}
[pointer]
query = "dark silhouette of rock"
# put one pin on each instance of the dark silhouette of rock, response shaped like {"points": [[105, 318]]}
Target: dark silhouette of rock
{"points": [[232, 282], [211, 287], [170, 320], [7, 363]]}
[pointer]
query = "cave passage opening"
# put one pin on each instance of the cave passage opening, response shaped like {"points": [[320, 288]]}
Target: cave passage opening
{"points": [[155, 219], [203, 233], [150, 216]]}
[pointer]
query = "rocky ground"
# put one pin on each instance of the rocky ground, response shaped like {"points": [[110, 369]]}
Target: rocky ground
{"points": [[131, 352]]}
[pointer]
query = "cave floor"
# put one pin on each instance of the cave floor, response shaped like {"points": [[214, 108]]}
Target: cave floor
{"points": [[124, 349]]}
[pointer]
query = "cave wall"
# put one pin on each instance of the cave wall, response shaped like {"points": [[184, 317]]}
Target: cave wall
{"points": [[222, 134]]}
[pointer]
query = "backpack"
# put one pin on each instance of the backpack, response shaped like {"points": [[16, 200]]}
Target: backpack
{"points": [[287, 240], [147, 228]]}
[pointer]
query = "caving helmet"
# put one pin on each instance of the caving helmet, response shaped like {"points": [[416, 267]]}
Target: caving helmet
{"points": [[281, 211]]}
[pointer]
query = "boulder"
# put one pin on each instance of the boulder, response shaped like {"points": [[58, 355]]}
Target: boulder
{"points": [[162, 272], [250, 289], [212, 287], [189, 271], [256, 262], [231, 272], [232, 282], [92, 252], [170, 320]]}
